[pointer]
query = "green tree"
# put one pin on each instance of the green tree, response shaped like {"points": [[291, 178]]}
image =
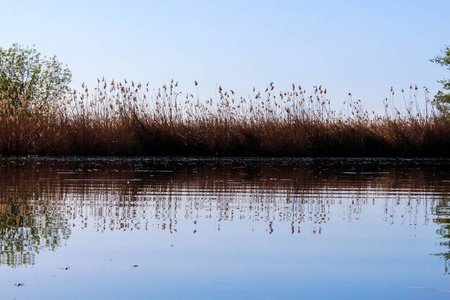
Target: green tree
{"points": [[29, 79], [442, 100]]}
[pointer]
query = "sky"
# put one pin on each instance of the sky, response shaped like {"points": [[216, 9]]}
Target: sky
{"points": [[362, 47]]}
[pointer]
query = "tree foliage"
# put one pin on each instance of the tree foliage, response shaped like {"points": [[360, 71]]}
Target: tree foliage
{"points": [[442, 99], [27, 78]]}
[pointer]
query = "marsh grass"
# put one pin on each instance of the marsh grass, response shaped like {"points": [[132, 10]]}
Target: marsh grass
{"points": [[130, 119]]}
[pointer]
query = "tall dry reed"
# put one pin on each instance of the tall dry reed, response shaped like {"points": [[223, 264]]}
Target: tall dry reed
{"points": [[125, 118]]}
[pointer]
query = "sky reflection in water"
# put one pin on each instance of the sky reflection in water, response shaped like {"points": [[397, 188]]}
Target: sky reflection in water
{"points": [[224, 228]]}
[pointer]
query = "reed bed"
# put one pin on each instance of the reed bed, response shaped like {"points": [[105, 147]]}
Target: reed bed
{"points": [[131, 119]]}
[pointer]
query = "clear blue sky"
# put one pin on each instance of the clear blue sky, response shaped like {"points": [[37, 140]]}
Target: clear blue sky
{"points": [[362, 47]]}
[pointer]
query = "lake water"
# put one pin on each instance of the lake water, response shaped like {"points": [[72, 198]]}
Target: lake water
{"points": [[143, 228]]}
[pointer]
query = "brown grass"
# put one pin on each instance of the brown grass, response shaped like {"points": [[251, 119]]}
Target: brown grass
{"points": [[129, 119]]}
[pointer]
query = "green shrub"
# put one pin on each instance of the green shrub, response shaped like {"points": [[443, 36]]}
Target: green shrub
{"points": [[30, 80]]}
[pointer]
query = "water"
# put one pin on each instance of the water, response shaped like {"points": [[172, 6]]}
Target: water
{"points": [[111, 228]]}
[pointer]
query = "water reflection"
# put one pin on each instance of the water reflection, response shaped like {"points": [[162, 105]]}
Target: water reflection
{"points": [[442, 211], [25, 230], [42, 199]]}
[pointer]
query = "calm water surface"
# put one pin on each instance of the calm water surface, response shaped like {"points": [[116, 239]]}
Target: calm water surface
{"points": [[111, 228]]}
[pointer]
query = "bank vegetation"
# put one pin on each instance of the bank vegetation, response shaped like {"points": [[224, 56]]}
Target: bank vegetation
{"points": [[128, 119]]}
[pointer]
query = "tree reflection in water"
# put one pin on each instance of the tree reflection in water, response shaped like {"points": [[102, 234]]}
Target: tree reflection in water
{"points": [[24, 233], [442, 212]]}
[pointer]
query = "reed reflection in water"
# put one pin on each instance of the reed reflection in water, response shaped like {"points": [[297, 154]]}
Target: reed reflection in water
{"points": [[43, 200]]}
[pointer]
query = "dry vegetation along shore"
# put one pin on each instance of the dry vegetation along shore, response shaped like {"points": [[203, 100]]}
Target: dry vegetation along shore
{"points": [[130, 119]]}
